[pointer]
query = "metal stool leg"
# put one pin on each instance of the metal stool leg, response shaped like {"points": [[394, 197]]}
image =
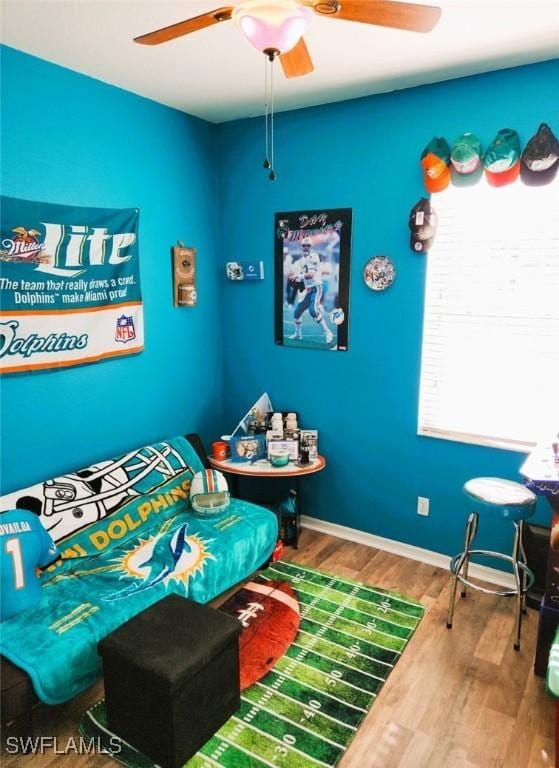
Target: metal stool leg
{"points": [[519, 580], [471, 531], [459, 566], [525, 561]]}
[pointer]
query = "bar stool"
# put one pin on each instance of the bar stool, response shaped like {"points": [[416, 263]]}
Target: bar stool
{"points": [[499, 499]]}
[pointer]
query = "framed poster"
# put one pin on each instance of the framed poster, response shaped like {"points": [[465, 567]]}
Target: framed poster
{"points": [[312, 253]]}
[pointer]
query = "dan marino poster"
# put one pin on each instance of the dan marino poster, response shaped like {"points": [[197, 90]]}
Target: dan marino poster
{"points": [[312, 252], [69, 285]]}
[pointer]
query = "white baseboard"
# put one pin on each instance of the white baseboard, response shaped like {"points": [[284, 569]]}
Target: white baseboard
{"points": [[481, 572]]}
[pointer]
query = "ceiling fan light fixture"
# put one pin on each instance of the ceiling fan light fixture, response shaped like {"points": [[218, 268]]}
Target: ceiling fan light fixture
{"points": [[272, 25]]}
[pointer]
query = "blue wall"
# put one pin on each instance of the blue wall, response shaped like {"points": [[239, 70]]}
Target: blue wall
{"points": [[95, 145], [70, 139], [364, 154]]}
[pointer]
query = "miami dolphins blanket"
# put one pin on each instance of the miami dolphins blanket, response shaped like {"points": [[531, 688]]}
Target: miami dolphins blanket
{"points": [[142, 543]]}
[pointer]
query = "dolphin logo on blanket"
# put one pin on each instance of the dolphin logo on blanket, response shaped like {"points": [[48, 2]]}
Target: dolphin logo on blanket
{"points": [[165, 556]]}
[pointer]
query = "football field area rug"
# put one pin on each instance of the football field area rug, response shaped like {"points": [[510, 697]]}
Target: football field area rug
{"points": [[305, 711]]}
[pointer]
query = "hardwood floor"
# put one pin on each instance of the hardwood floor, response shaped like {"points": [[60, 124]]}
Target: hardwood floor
{"points": [[456, 699]]}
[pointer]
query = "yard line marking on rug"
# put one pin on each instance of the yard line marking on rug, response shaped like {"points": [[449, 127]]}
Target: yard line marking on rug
{"points": [[261, 760], [350, 657], [361, 632], [358, 617], [327, 632], [383, 607], [334, 614], [375, 590], [290, 721], [322, 714], [263, 741], [335, 680], [339, 661], [333, 670], [304, 654], [367, 634], [375, 614], [270, 737], [345, 647], [395, 597], [317, 692], [298, 714], [374, 599], [375, 630], [226, 745], [202, 761]]}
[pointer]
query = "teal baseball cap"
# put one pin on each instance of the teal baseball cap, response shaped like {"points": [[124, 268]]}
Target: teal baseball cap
{"points": [[466, 153], [502, 158]]}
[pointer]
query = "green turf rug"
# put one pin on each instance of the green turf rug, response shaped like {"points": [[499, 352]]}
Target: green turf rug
{"points": [[305, 712]]}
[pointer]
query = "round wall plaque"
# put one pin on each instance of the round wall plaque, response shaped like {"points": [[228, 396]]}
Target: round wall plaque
{"points": [[379, 273]]}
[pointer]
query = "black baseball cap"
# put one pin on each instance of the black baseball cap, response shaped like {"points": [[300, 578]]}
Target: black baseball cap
{"points": [[540, 159], [423, 225]]}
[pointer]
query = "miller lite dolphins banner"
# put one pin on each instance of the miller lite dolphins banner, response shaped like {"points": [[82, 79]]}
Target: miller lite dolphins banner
{"points": [[69, 285]]}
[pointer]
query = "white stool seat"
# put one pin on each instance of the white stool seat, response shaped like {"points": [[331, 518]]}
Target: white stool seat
{"points": [[496, 490]]}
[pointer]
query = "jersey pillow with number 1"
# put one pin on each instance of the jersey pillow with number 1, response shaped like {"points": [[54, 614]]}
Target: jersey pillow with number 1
{"points": [[24, 546]]}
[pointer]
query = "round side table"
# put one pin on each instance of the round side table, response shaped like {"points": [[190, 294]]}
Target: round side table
{"points": [[263, 468]]}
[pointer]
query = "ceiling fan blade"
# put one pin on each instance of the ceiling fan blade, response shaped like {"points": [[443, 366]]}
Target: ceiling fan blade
{"points": [[185, 27], [297, 61], [384, 13]]}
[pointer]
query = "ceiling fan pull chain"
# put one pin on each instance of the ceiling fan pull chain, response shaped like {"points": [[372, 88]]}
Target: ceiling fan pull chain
{"points": [[266, 162], [272, 175]]}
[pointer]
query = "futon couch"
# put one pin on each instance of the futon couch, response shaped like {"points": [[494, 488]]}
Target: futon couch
{"points": [[128, 537]]}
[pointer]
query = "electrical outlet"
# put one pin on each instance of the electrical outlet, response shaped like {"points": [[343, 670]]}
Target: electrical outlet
{"points": [[422, 506]]}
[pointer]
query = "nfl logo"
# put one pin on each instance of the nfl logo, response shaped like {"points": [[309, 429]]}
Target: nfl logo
{"points": [[125, 330]]}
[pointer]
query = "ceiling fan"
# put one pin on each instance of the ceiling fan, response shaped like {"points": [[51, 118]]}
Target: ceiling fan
{"points": [[276, 27]]}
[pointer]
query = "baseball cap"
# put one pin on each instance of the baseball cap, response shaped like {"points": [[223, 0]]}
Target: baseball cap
{"points": [[540, 159], [423, 226], [435, 160], [502, 158], [466, 153]]}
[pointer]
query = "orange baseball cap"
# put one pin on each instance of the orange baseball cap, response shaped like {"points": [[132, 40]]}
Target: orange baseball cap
{"points": [[435, 161]]}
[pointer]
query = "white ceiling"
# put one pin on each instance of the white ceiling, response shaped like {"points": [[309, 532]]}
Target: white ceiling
{"points": [[215, 74]]}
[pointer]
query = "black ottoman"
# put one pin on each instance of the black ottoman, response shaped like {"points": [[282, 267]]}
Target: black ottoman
{"points": [[171, 678]]}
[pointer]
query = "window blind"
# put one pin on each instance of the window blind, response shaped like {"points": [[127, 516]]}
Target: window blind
{"points": [[490, 351]]}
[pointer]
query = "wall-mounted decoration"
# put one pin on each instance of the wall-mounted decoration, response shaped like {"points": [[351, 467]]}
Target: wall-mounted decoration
{"points": [[379, 273], [312, 256], [423, 226], [466, 160], [70, 285], [245, 270], [540, 159], [184, 276], [502, 158], [435, 161]]}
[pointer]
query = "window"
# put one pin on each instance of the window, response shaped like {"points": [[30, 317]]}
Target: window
{"points": [[490, 357]]}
